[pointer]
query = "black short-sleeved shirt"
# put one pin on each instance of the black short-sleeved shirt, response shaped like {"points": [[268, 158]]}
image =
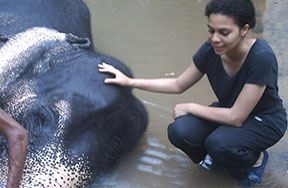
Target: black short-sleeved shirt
{"points": [[260, 67]]}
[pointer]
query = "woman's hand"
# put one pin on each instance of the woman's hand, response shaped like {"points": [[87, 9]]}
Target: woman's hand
{"points": [[181, 110], [120, 78]]}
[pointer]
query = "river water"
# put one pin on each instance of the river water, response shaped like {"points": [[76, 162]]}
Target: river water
{"points": [[157, 38]]}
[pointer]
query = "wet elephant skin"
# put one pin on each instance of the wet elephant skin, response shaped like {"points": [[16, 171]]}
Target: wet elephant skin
{"points": [[49, 82]]}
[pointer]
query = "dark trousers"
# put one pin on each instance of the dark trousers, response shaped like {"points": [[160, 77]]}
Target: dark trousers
{"points": [[237, 149]]}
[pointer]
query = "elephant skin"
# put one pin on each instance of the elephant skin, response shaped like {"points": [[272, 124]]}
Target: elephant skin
{"points": [[78, 126]]}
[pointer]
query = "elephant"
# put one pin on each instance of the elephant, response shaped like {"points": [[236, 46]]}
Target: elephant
{"points": [[79, 127]]}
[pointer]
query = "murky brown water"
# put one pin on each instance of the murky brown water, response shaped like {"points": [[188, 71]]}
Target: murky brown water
{"points": [[155, 37]]}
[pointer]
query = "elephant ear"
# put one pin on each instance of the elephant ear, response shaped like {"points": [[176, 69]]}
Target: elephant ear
{"points": [[78, 41]]}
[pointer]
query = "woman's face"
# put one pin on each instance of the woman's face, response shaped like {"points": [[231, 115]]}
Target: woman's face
{"points": [[224, 33]]}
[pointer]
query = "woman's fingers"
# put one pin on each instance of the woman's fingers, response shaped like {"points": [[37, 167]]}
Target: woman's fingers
{"points": [[119, 78], [109, 80], [106, 68], [102, 66]]}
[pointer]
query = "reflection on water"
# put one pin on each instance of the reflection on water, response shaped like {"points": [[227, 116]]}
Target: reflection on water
{"points": [[156, 37]]}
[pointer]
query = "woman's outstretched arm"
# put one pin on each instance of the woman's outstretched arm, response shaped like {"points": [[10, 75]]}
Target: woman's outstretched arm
{"points": [[162, 85]]}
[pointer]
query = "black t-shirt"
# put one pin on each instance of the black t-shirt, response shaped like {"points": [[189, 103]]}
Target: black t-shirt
{"points": [[260, 68]]}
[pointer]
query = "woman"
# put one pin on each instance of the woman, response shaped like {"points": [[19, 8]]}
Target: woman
{"points": [[249, 116]]}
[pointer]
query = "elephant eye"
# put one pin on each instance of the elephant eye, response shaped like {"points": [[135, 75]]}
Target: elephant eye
{"points": [[41, 119]]}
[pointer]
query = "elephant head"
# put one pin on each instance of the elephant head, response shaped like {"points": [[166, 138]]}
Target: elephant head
{"points": [[49, 82]]}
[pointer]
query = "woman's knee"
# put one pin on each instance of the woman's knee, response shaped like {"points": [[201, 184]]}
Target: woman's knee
{"points": [[175, 134], [178, 130], [185, 129], [214, 145]]}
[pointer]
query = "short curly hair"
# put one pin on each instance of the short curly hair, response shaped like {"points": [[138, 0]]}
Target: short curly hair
{"points": [[242, 11]]}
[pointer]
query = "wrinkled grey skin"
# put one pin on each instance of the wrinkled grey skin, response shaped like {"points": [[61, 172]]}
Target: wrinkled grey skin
{"points": [[49, 82]]}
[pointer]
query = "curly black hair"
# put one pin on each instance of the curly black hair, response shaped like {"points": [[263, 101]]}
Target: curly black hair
{"points": [[242, 11]]}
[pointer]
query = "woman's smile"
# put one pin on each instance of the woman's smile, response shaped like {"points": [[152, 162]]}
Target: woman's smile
{"points": [[218, 49]]}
